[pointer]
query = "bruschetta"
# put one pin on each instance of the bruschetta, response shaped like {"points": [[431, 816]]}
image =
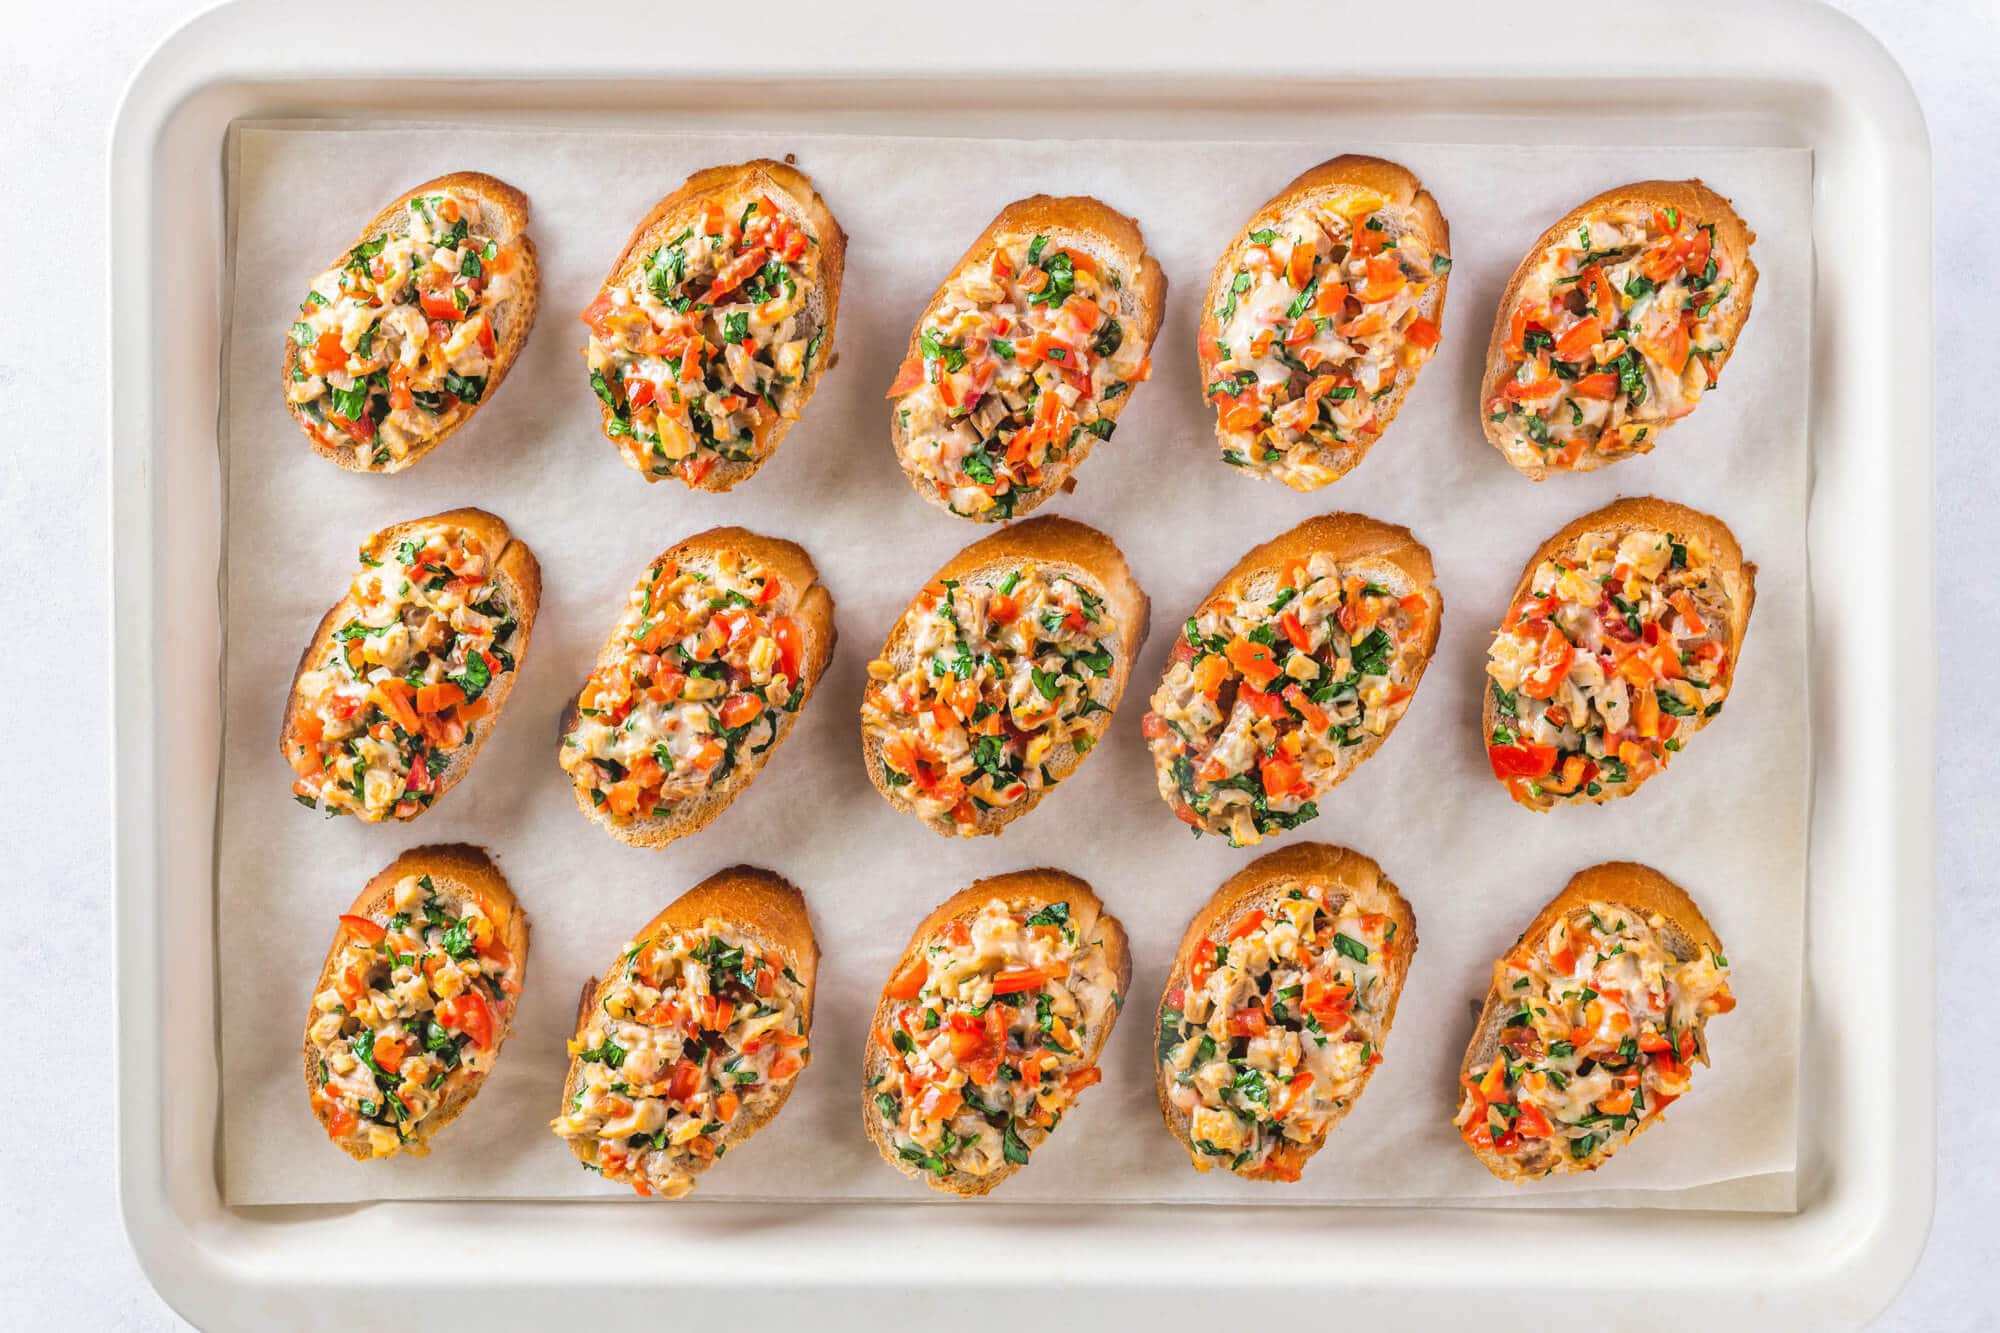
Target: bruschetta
{"points": [[1277, 1008], [417, 994], [716, 322], [694, 1038], [406, 335], [1002, 675], [1591, 1023], [1319, 316], [1292, 671], [1025, 356], [990, 1026], [722, 642], [1619, 643], [404, 679], [1616, 323]]}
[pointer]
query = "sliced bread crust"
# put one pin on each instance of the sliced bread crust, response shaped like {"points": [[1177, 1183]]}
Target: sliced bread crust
{"points": [[1627, 884], [1067, 547], [519, 575], [802, 597], [1694, 199], [1260, 884], [454, 868], [1021, 890], [503, 215], [1076, 222], [770, 910], [1739, 585], [792, 190], [1350, 173], [1356, 542]]}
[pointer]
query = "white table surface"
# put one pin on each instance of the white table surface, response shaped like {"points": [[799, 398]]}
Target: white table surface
{"points": [[64, 1261]]}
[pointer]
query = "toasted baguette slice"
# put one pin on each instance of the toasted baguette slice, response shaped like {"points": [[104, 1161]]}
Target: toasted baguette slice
{"points": [[503, 218], [1035, 553], [513, 569], [1359, 904], [1612, 427], [1663, 910], [756, 908], [1728, 597], [1118, 285], [454, 873], [1330, 207], [1202, 690], [1094, 943], [800, 599], [662, 444]]}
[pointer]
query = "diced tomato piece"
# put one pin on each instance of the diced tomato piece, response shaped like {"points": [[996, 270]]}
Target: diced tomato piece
{"points": [[1203, 966], [1015, 979], [364, 928], [908, 983], [1295, 631], [1255, 661], [791, 646], [1576, 342], [439, 305], [1264, 705], [469, 1013], [1521, 761], [327, 353], [1424, 333], [1552, 662], [1280, 774]]}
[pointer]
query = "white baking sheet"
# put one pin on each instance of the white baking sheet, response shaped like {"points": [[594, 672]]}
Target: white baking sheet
{"points": [[1728, 822]]}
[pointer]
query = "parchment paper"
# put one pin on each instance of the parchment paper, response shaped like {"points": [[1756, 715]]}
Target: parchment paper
{"points": [[1728, 822]]}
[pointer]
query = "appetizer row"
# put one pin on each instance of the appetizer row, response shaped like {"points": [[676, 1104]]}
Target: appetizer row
{"points": [[716, 323], [1000, 678], [1273, 1018]]}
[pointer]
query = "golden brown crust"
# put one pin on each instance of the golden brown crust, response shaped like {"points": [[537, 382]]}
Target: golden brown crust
{"points": [[520, 577], [1694, 199], [453, 868], [1260, 884], [1739, 586], [770, 910], [1068, 547], [793, 191], [1028, 890], [503, 216], [1078, 222], [1357, 542], [810, 604], [1347, 174], [1645, 891]]}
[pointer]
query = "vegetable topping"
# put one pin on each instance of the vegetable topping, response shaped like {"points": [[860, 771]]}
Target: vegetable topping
{"points": [[988, 1035], [1007, 674], [699, 1030], [1616, 334], [400, 337], [1617, 652], [1268, 700], [405, 681], [1324, 316], [1279, 1022], [709, 670], [421, 994], [1603, 1022], [1019, 359], [704, 347]]}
